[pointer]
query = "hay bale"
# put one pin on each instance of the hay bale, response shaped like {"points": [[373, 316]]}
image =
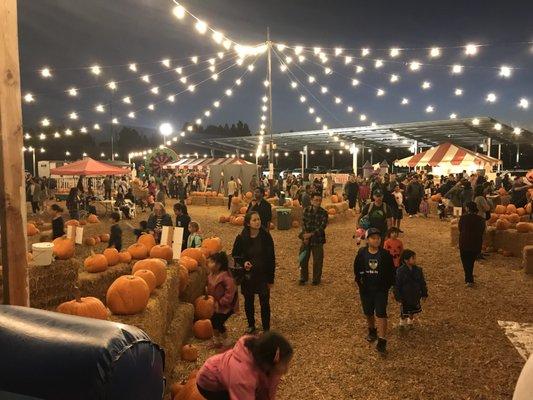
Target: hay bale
{"points": [[297, 213], [178, 333], [454, 233], [511, 240], [198, 200], [196, 287], [527, 259], [158, 315], [488, 237], [217, 201], [96, 285]]}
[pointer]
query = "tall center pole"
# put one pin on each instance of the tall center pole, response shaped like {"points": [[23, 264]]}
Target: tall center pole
{"points": [[271, 147]]}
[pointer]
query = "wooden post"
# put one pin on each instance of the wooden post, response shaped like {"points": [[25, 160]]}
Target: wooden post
{"points": [[12, 188]]}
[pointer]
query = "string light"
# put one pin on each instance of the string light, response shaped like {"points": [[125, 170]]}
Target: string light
{"points": [[155, 90], [430, 109], [405, 101], [96, 70], [166, 62], [338, 51], [355, 82], [517, 131], [28, 98], [303, 99], [100, 108], [83, 129], [133, 67], [434, 52], [394, 78], [145, 78], [46, 73], [96, 127], [179, 12], [171, 98], [380, 92], [348, 60], [471, 49], [458, 92], [151, 107], [365, 52], [45, 122], [414, 65], [194, 59], [505, 71], [73, 115], [359, 69], [457, 69], [475, 121], [523, 103], [491, 98], [42, 136], [426, 85], [378, 63], [72, 92], [498, 126], [126, 100], [453, 116], [201, 27], [394, 52], [112, 85], [68, 132], [57, 135]]}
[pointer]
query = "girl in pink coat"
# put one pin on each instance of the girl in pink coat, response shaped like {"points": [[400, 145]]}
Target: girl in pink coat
{"points": [[250, 371], [221, 286]]}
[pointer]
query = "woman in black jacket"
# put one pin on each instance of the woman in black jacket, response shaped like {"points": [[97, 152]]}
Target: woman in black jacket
{"points": [[471, 230], [157, 220], [254, 251]]}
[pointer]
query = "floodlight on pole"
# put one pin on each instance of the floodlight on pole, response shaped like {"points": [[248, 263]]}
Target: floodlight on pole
{"points": [[166, 129]]}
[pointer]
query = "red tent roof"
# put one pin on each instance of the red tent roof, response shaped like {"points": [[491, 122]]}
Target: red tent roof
{"points": [[88, 166]]}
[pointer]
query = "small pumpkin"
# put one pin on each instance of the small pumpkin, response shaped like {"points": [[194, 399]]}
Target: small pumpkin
{"points": [[203, 329], [156, 265], [249, 195], [528, 208], [243, 210], [524, 227], [521, 211], [239, 221], [502, 224], [183, 274], [334, 198], [148, 277], [95, 263], [124, 257], [212, 245], [147, 240], [189, 352], [31, 229], [92, 219], [97, 239], [511, 209], [128, 295], [493, 218], [222, 219], [162, 251], [332, 211], [500, 209], [436, 197], [112, 256], [89, 307], [72, 222], [104, 237], [188, 263], [90, 241], [513, 218], [63, 248], [204, 307], [138, 251], [83, 222]]}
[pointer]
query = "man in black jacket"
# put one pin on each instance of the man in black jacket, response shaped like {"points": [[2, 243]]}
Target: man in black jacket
{"points": [[374, 275], [262, 207], [351, 189]]}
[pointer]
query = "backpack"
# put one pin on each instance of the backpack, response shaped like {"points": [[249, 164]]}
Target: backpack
{"points": [[364, 221]]}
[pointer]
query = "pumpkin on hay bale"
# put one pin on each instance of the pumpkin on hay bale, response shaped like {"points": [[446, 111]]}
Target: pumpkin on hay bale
{"points": [[235, 201], [63, 248], [243, 210], [334, 199], [524, 227], [204, 307], [239, 221], [189, 263], [138, 251], [203, 329], [97, 239], [332, 211], [223, 219], [195, 253], [128, 295], [112, 256], [502, 224], [104, 237], [156, 265], [162, 251], [189, 352], [295, 224], [184, 279], [89, 307], [124, 257], [147, 240], [95, 263], [511, 209], [92, 219], [500, 209], [90, 241], [212, 245], [31, 229], [148, 277]]}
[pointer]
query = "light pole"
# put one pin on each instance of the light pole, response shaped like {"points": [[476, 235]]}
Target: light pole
{"points": [[271, 147]]}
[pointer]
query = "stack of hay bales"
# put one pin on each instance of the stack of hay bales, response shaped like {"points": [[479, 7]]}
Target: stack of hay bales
{"points": [[527, 259], [336, 208]]}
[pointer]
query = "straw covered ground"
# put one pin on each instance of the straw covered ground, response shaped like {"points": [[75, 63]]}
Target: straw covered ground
{"points": [[456, 351]]}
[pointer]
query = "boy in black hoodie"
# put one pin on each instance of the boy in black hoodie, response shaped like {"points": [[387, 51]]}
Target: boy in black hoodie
{"points": [[374, 275]]}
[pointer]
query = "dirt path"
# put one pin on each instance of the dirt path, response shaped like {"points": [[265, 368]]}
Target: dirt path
{"points": [[457, 351]]}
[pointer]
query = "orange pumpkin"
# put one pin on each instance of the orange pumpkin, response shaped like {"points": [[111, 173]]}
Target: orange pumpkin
{"points": [[188, 201], [104, 237], [124, 257], [138, 251], [295, 224], [112, 256], [528, 208], [493, 218], [147, 240], [31, 229], [222, 219], [63, 248], [295, 203], [193, 253], [162, 251], [92, 219], [221, 195], [89, 307], [189, 352], [95, 263], [189, 263], [83, 222], [436, 197], [212, 245], [243, 210], [511, 209], [513, 218], [97, 239], [72, 222], [235, 200], [183, 274], [249, 195], [203, 329], [90, 241], [148, 277], [128, 295], [239, 221], [502, 224], [175, 390], [156, 265], [524, 227], [332, 211], [204, 307], [521, 211], [502, 191], [500, 209], [334, 198]]}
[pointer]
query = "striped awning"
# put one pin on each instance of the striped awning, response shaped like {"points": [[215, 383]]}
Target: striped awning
{"points": [[446, 154], [203, 162]]}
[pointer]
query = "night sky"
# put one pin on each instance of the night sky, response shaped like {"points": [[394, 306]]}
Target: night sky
{"points": [[67, 35]]}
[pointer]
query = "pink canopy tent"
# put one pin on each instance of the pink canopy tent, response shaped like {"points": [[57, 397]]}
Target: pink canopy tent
{"points": [[89, 167]]}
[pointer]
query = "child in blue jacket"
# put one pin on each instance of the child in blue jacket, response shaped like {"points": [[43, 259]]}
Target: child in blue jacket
{"points": [[410, 288]]}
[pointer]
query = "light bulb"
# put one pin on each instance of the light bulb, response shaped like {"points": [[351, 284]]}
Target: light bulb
{"points": [[414, 65], [191, 88], [294, 85], [179, 12], [453, 116], [166, 62], [394, 52], [303, 99], [131, 115], [475, 121], [338, 100], [145, 78], [394, 78], [28, 98], [311, 79], [155, 90], [434, 52], [405, 101], [458, 92], [523, 103], [96, 127], [355, 82], [72, 92], [471, 49], [201, 27], [194, 59], [46, 73], [133, 67], [517, 131], [348, 60], [498, 126], [216, 104], [218, 37], [378, 63], [380, 92], [112, 85], [457, 69], [430, 109], [359, 69], [505, 71], [491, 98], [426, 85], [96, 70], [365, 52], [151, 107], [45, 122]]}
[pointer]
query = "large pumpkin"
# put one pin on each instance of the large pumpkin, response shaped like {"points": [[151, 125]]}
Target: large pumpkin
{"points": [[212, 245], [92, 219], [89, 307], [128, 295], [524, 227], [124, 257], [204, 307], [95, 263], [193, 253], [189, 263], [500, 209], [112, 256], [31, 229], [183, 274], [511, 209], [162, 251], [502, 224], [72, 222], [63, 248], [148, 277], [156, 265], [138, 251], [334, 198], [189, 352], [147, 240], [203, 329]]}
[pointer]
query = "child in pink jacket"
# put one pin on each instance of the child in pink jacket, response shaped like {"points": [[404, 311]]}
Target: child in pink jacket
{"points": [[221, 286], [250, 371]]}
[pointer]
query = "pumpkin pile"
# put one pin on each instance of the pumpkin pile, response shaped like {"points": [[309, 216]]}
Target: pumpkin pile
{"points": [[89, 307], [507, 217]]}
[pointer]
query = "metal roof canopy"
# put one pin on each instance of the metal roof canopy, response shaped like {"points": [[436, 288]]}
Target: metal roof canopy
{"points": [[428, 134]]}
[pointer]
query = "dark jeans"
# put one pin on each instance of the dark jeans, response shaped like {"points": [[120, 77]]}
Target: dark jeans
{"points": [[468, 258], [218, 320], [107, 194], [229, 200], [34, 206], [213, 395], [264, 302], [317, 251]]}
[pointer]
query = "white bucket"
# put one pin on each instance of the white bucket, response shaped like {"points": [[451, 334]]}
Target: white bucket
{"points": [[42, 253]]}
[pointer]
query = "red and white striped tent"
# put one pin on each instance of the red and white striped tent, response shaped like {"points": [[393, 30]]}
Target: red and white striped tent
{"points": [[204, 163], [448, 156]]}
